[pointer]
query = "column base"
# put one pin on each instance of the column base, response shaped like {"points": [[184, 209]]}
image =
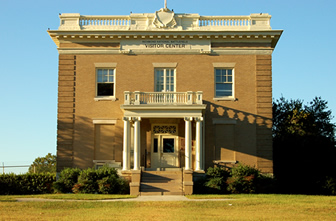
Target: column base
{"points": [[188, 184], [135, 182]]}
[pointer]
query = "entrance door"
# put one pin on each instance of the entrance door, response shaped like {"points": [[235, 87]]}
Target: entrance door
{"points": [[165, 152]]}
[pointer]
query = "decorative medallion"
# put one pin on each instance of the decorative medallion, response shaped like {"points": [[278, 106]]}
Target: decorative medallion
{"points": [[164, 18]]}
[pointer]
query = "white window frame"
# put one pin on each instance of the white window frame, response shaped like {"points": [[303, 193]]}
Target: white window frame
{"points": [[105, 66], [227, 66], [164, 78]]}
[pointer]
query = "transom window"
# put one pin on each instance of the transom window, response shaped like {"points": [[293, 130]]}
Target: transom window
{"points": [[164, 80], [105, 82], [223, 82]]}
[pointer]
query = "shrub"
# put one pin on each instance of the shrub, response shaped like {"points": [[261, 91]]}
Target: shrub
{"points": [[123, 186], [103, 180], [329, 186], [67, 179], [266, 183], [216, 180], [87, 181], [8, 184], [107, 185], [199, 186], [243, 179], [26, 183], [109, 181]]}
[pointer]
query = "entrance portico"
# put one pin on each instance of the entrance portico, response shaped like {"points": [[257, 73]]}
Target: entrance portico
{"points": [[165, 145]]}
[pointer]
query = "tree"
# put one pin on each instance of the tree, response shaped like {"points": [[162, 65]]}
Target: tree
{"points": [[43, 164], [304, 145]]}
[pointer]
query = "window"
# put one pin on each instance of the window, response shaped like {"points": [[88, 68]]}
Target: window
{"points": [[164, 80], [105, 82], [224, 83]]}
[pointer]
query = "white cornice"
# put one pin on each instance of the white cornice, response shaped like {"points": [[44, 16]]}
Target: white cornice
{"points": [[270, 36], [250, 51]]}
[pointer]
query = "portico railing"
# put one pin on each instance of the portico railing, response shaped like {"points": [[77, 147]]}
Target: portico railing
{"points": [[163, 98]]}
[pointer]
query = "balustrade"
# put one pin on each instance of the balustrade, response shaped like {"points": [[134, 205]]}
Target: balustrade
{"points": [[162, 98], [225, 21], [144, 21], [85, 21]]}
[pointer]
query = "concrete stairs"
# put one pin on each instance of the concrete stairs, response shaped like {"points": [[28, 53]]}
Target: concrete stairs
{"points": [[161, 183]]}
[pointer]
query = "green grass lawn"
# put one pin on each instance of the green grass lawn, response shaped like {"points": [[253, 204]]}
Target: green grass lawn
{"points": [[241, 207]]}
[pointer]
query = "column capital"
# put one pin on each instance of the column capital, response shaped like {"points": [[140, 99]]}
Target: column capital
{"points": [[199, 119], [188, 119], [127, 118], [136, 118]]}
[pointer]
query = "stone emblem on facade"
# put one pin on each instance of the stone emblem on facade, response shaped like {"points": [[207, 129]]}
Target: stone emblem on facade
{"points": [[164, 18]]}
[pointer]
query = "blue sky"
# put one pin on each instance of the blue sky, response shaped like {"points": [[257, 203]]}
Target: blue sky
{"points": [[303, 61]]}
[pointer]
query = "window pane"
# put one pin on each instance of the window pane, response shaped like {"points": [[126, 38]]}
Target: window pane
{"points": [[105, 89], [168, 145], [171, 88], [223, 82], [223, 90], [155, 145], [223, 93], [111, 78], [218, 78], [105, 75], [111, 75], [164, 80], [159, 80], [224, 87], [99, 75]]}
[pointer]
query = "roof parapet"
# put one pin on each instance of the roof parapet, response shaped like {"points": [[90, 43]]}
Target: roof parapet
{"points": [[192, 22]]}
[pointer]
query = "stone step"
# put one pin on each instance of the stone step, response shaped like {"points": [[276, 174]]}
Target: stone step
{"points": [[161, 183], [158, 176], [161, 193], [160, 188], [161, 177], [166, 185], [144, 186], [172, 182], [162, 172]]}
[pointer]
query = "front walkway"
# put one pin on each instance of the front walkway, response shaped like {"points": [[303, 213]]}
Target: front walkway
{"points": [[139, 198]]}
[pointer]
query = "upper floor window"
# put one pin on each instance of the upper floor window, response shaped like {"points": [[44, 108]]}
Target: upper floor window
{"points": [[164, 80], [105, 82], [224, 85]]}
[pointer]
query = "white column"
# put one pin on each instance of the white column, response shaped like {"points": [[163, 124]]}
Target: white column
{"points": [[188, 153], [136, 143], [126, 144], [199, 143]]}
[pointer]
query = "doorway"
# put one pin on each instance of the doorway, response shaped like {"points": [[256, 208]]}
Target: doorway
{"points": [[165, 151]]}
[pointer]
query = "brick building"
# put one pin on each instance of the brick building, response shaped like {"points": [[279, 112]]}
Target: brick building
{"points": [[164, 92]]}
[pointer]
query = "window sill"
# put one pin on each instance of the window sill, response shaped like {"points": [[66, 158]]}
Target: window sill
{"points": [[105, 99], [224, 99]]}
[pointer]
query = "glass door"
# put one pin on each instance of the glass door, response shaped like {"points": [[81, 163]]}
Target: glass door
{"points": [[165, 152]]}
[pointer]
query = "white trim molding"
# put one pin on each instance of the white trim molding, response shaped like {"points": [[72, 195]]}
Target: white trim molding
{"points": [[105, 65], [165, 65], [224, 64], [104, 121]]}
